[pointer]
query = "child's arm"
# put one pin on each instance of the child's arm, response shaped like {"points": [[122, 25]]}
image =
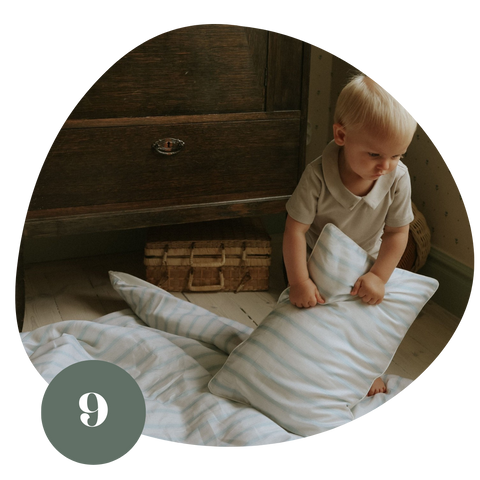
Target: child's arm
{"points": [[303, 292], [371, 286]]}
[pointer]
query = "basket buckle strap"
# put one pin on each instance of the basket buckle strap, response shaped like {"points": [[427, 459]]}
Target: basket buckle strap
{"points": [[164, 268], [205, 288], [220, 263], [246, 277]]}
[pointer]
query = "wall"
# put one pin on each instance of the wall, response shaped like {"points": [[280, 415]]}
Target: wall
{"points": [[319, 105], [435, 193]]}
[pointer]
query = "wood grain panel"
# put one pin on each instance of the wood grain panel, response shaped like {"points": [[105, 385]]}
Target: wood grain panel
{"points": [[190, 71]]}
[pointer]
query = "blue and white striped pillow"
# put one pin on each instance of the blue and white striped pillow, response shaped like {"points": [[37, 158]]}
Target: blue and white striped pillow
{"points": [[307, 368]]}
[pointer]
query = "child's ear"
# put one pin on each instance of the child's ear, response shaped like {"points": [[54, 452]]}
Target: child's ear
{"points": [[339, 134]]}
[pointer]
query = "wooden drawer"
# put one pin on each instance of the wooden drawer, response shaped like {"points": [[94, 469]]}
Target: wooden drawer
{"points": [[221, 161]]}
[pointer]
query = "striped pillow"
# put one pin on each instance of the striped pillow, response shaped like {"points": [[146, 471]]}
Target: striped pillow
{"points": [[307, 368]]}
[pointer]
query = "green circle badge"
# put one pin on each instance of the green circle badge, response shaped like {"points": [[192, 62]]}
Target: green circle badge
{"points": [[93, 412]]}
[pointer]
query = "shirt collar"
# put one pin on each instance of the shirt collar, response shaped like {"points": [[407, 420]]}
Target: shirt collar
{"points": [[338, 190]]}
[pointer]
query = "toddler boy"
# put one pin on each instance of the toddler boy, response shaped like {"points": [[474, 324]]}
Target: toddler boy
{"points": [[360, 185]]}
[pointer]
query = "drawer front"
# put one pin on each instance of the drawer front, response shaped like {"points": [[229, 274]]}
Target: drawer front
{"points": [[224, 161]]}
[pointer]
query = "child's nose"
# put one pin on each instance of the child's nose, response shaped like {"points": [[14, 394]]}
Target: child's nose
{"points": [[384, 165]]}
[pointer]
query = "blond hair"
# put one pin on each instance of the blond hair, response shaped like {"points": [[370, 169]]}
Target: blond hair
{"points": [[364, 104]]}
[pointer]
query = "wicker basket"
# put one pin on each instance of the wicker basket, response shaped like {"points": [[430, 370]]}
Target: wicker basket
{"points": [[226, 255], [418, 246]]}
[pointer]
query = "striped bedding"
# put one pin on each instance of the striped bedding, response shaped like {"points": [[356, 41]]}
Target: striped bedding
{"points": [[173, 349], [309, 369]]}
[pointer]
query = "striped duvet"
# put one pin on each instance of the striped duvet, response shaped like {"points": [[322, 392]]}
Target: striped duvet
{"points": [[307, 369], [174, 349]]}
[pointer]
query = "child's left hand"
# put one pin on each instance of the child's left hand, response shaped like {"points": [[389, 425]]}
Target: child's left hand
{"points": [[369, 288]]}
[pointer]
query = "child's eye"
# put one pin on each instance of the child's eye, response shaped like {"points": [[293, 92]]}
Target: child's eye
{"points": [[374, 155]]}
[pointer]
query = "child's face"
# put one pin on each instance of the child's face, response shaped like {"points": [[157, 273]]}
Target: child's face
{"points": [[369, 156]]}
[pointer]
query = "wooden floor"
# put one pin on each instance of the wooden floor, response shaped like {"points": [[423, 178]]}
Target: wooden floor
{"points": [[79, 289]]}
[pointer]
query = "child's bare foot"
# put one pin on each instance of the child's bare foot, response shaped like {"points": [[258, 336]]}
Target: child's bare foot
{"points": [[378, 386]]}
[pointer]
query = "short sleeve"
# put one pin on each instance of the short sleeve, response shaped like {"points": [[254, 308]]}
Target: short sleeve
{"points": [[400, 212], [302, 205]]}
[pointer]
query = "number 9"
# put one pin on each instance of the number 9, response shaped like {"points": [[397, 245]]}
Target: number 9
{"points": [[101, 410]]}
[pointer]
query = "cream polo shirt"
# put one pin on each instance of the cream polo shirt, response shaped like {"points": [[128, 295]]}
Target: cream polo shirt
{"points": [[322, 198]]}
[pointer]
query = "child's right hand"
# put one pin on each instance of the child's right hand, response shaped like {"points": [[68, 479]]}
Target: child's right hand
{"points": [[305, 294]]}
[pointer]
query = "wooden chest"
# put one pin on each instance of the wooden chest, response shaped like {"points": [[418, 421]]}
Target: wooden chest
{"points": [[226, 255], [197, 124]]}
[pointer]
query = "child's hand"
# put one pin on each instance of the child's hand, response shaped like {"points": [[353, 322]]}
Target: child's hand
{"points": [[369, 288], [305, 294]]}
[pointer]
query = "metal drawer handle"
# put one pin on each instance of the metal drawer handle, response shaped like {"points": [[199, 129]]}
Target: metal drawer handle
{"points": [[168, 146]]}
